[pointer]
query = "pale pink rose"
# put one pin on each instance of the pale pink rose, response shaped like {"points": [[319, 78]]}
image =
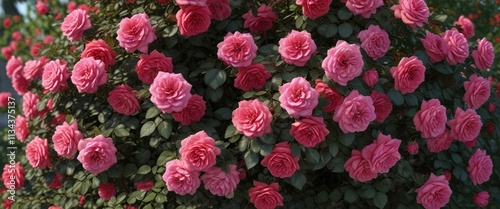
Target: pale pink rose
{"points": [[21, 128], [122, 99], [19, 83], [54, 76], [100, 51], [88, 74], [458, 48], [180, 179], [439, 143], [136, 33], [56, 181], [191, 2], [48, 40], [435, 46], [220, 9], [41, 7], [382, 154], [481, 199], [343, 62], [359, 168], [170, 92], [14, 66], [370, 77], [97, 154], [144, 185], [309, 131], [480, 167], [75, 23], [264, 196], [431, 119], [34, 68], [37, 153], [30, 102], [382, 104], [297, 48], [408, 75], [263, 22], [435, 193], [148, 66], [355, 113], [7, 52], [66, 139], [413, 13], [333, 97], [4, 99], [477, 91], [253, 77], [412, 148], [466, 125], [374, 41], [466, 26], [193, 20], [314, 8], [484, 55], [365, 8], [252, 118], [15, 170], [237, 50], [17, 36], [198, 151], [219, 182], [193, 112], [281, 162], [298, 98], [106, 191]]}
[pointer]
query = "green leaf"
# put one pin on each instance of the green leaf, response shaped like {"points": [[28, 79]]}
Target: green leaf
{"points": [[345, 30], [149, 197], [299, 22], [327, 30], [334, 149], [255, 146], [384, 185], [380, 200], [230, 131], [152, 112], [148, 128], [130, 169], [42, 104], [298, 180], [369, 192], [214, 94], [223, 113], [422, 56], [145, 169], [121, 132], [460, 173], [347, 139], [456, 158], [396, 97], [160, 198], [215, 77], [444, 69], [312, 155], [350, 196], [164, 157], [142, 156], [251, 159], [411, 100], [165, 129], [344, 14]]}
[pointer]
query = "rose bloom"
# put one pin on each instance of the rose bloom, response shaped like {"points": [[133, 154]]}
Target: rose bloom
{"points": [[191, 2], [34, 68], [106, 191], [253, 77], [193, 20], [170, 92], [21, 128], [30, 102], [363, 7], [82, 199], [198, 151], [37, 153], [14, 66], [382, 154], [480, 167], [66, 139], [122, 99], [414, 13], [355, 113], [148, 66], [263, 22], [219, 182], [17, 36], [458, 48], [35, 49], [435, 193], [374, 41], [48, 40], [264, 196], [56, 181], [466, 26], [281, 162], [88, 74], [15, 170], [484, 55], [343, 62], [7, 52], [75, 23], [435, 47], [54, 76], [136, 33], [412, 148], [7, 22], [359, 168], [297, 48], [314, 8], [144, 185], [97, 154], [4, 99], [481, 199], [219, 9], [382, 104], [298, 98], [19, 83], [408, 75], [431, 119], [252, 118], [370, 77], [193, 112], [466, 125], [13, 45], [309, 131], [100, 51], [55, 207], [439, 143], [333, 97], [41, 7], [237, 50], [180, 179], [477, 91], [163, 1]]}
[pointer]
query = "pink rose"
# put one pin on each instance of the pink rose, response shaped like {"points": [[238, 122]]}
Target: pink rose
{"points": [[193, 20], [144, 185], [435, 193], [15, 170], [237, 50], [309, 131], [484, 55], [466, 26], [466, 125], [148, 66], [136, 33], [88, 74], [170, 92], [408, 75], [198, 151], [106, 191], [191, 2], [355, 113], [7, 22], [412, 148], [480, 167], [72, 6], [100, 51], [281, 162], [21, 128], [297, 48], [4, 99], [30, 102], [253, 77], [219, 182], [431, 119], [193, 112], [19, 83], [35, 49], [458, 48], [374, 41], [41, 7], [66, 139], [481, 199], [370, 77], [56, 181], [414, 13], [439, 143], [75, 23], [17, 36], [477, 91], [55, 207], [122, 99], [180, 179], [314, 8], [491, 107], [252, 118], [37, 153], [382, 105], [363, 7], [264, 196], [263, 22], [359, 168], [298, 98], [382, 154], [333, 97], [34, 68], [435, 46], [343, 62], [7, 52], [48, 40], [14, 66], [97, 154], [54, 76], [219, 9]]}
